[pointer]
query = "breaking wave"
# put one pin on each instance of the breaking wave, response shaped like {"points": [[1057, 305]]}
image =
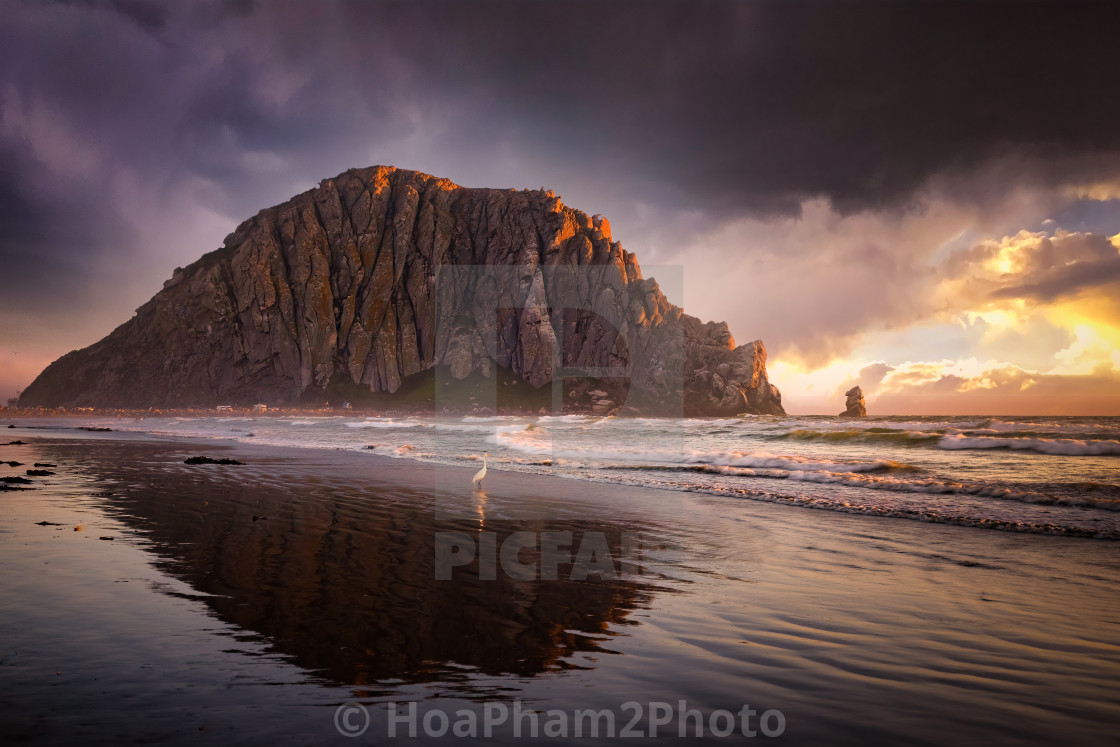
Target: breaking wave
{"points": [[953, 439], [895, 484], [384, 423], [1057, 446], [529, 442], [865, 435]]}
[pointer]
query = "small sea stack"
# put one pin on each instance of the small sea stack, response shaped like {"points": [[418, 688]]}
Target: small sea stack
{"points": [[857, 408]]}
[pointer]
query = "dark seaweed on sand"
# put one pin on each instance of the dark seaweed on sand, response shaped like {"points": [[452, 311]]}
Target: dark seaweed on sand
{"points": [[208, 460]]}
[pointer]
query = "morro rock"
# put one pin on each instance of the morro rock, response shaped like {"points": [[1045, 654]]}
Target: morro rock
{"points": [[380, 275], [857, 408]]}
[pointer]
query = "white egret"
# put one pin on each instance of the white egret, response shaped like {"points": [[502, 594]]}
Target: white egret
{"points": [[481, 474]]}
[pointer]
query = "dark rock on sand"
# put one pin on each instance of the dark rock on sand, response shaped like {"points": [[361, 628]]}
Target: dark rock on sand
{"points": [[352, 287], [857, 408], [16, 480], [208, 460], [39, 473], [14, 464], [14, 443]]}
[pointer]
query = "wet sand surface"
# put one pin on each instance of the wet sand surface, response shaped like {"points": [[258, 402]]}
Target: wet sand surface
{"points": [[245, 603]]}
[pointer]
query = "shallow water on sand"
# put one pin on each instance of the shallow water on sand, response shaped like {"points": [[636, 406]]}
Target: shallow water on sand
{"points": [[246, 603], [1049, 475]]}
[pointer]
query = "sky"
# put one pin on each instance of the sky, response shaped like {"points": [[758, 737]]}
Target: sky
{"points": [[921, 198]]}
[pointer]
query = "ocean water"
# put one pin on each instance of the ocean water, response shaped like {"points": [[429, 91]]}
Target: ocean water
{"points": [[1049, 475], [150, 601]]}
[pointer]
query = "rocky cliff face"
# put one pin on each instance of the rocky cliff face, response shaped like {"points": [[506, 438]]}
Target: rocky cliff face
{"points": [[381, 274]]}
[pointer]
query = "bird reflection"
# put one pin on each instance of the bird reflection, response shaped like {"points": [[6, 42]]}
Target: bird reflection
{"points": [[480, 507]]}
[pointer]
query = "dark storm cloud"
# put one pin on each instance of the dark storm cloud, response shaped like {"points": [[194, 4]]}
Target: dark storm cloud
{"points": [[124, 124], [1065, 281], [151, 16], [42, 258], [728, 107], [1039, 268], [756, 105]]}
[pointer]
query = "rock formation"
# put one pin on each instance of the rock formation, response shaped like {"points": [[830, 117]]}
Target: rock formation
{"points": [[381, 274], [857, 408]]}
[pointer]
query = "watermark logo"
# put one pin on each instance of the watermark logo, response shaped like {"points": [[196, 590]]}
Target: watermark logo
{"points": [[591, 332], [629, 720], [351, 719], [552, 556]]}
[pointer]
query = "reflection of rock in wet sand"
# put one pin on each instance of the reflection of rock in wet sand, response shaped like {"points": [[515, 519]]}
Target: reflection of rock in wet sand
{"points": [[343, 581]]}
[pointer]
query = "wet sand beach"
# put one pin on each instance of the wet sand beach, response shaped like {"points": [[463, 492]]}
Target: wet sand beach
{"points": [[246, 603]]}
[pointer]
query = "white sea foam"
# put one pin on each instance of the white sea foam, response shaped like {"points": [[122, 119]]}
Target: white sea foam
{"points": [[488, 418], [385, 423], [567, 418], [1062, 426], [1057, 446], [930, 486], [539, 442], [477, 428]]}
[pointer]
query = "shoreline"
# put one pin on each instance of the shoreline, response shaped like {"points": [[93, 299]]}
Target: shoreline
{"points": [[363, 410], [776, 497]]}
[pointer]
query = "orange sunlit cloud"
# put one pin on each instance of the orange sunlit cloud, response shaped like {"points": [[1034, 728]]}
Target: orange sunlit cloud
{"points": [[1039, 313]]}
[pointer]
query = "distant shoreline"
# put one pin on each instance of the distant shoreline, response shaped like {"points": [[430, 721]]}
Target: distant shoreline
{"points": [[414, 411]]}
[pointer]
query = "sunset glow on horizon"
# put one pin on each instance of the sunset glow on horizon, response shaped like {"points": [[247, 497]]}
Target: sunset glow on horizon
{"points": [[1037, 320]]}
